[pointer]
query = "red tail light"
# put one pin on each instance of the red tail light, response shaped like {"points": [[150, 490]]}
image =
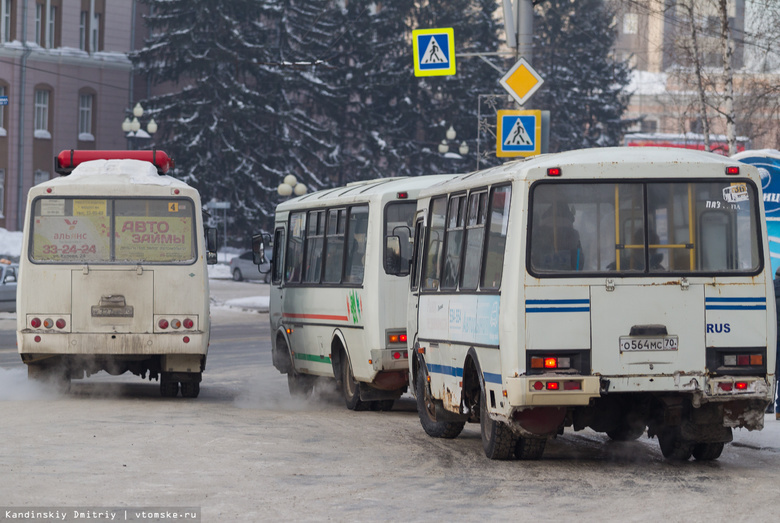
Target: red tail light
{"points": [[163, 324], [741, 385], [188, 323], [35, 323], [60, 323], [553, 385], [403, 338]]}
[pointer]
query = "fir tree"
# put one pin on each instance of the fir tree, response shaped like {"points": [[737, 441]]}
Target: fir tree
{"points": [[584, 87]]}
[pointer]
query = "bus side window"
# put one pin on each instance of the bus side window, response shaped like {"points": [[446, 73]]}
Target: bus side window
{"points": [[315, 238], [498, 220], [356, 240], [294, 258], [475, 234], [433, 248], [334, 245], [277, 260], [419, 236], [454, 242]]}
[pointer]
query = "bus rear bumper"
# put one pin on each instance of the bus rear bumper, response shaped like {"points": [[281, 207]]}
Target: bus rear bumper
{"points": [[46, 343], [552, 390]]}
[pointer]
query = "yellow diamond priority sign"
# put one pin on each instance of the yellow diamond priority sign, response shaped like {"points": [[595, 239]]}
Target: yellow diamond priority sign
{"points": [[521, 81]]}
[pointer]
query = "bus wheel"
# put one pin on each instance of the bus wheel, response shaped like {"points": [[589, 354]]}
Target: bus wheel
{"points": [[299, 385], [427, 412], [190, 389], [707, 451], [168, 387], [530, 448], [498, 440], [350, 388], [673, 446]]}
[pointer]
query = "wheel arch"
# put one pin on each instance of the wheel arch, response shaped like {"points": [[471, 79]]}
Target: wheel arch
{"points": [[473, 380], [338, 351]]}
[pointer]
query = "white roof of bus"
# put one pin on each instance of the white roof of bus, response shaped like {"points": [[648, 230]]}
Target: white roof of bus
{"points": [[98, 172], [608, 162], [364, 190]]}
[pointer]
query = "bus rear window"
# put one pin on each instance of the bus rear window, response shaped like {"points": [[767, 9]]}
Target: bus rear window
{"points": [[637, 228], [113, 230]]}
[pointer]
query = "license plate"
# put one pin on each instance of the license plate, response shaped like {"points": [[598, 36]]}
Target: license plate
{"points": [[112, 312], [647, 343]]}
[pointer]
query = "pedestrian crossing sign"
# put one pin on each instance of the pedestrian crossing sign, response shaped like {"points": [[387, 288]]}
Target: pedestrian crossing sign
{"points": [[519, 133], [434, 52]]}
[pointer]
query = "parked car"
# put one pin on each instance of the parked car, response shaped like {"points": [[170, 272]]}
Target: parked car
{"points": [[8, 276], [243, 268]]}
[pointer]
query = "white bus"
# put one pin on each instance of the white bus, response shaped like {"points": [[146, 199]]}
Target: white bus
{"points": [[113, 273], [617, 289], [339, 282]]}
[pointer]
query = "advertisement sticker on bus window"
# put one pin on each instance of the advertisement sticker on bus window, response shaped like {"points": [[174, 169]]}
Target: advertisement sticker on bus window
{"points": [[89, 207], [154, 239], [68, 239], [53, 207], [736, 192]]}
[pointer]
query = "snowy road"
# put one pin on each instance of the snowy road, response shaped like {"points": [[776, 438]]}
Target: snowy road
{"points": [[245, 451]]}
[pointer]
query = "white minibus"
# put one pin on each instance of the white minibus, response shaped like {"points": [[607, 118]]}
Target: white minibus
{"points": [[339, 282], [621, 289], [113, 273]]}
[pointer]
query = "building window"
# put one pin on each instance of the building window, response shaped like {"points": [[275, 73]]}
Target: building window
{"points": [[83, 30], [38, 23], [2, 193], [630, 23], [40, 176], [51, 24], [2, 113], [648, 126], [5, 20], [42, 114], [95, 40], [85, 117]]}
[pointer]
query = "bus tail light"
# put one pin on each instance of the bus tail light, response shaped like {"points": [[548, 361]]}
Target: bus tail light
{"points": [[396, 337], [35, 323], [550, 362], [175, 324], [48, 323], [163, 323], [60, 323], [188, 323], [743, 360]]}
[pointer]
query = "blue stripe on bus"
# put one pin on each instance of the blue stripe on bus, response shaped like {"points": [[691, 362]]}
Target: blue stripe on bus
{"points": [[445, 369], [434, 368], [556, 302], [493, 378], [558, 305], [735, 304], [736, 307], [732, 300]]}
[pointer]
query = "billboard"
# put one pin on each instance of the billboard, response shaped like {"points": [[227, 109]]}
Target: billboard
{"points": [[768, 163]]}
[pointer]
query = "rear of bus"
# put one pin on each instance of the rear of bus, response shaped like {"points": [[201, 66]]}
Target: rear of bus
{"points": [[113, 275], [647, 270]]}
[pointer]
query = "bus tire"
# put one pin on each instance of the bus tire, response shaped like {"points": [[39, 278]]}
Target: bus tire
{"points": [[707, 451], [350, 388], [190, 389], [168, 387], [299, 385], [498, 440], [425, 409], [530, 448], [237, 275], [672, 445]]}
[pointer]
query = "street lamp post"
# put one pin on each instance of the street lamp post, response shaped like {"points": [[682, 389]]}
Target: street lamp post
{"points": [[444, 147], [132, 128], [290, 185]]}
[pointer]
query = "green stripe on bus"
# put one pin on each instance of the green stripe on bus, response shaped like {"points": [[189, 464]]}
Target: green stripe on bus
{"points": [[312, 357]]}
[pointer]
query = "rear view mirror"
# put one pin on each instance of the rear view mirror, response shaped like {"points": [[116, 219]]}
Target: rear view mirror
{"points": [[393, 255], [211, 245], [258, 249]]}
